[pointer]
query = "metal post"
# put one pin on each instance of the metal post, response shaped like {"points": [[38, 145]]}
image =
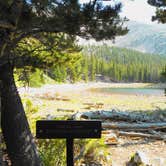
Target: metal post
{"points": [[69, 151]]}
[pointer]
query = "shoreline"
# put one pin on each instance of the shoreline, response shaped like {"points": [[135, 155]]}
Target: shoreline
{"points": [[67, 87]]}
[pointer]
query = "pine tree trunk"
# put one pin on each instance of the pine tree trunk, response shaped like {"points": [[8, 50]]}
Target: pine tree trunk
{"points": [[19, 141], [0, 133]]}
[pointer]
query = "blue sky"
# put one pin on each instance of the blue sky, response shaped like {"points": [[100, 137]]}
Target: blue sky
{"points": [[135, 10]]}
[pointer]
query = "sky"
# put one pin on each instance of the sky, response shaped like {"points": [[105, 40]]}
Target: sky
{"points": [[138, 10], [135, 10]]}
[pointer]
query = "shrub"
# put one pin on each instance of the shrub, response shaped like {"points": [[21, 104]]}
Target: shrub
{"points": [[52, 152]]}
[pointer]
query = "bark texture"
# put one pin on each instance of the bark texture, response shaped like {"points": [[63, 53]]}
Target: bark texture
{"points": [[19, 140], [114, 115]]}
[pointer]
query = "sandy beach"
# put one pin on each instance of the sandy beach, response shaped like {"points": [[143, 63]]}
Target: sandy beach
{"points": [[66, 87], [80, 93]]}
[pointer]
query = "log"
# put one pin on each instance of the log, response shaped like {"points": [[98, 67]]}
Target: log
{"points": [[115, 116], [135, 134], [155, 135], [134, 126], [93, 105], [89, 104], [65, 110]]}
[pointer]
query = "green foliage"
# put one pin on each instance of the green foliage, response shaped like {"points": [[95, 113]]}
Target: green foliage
{"points": [[56, 54], [116, 64], [31, 110], [32, 78], [52, 152], [160, 12], [124, 65], [41, 33], [58, 73], [50, 50], [28, 31], [29, 106], [84, 69], [39, 78], [74, 70], [95, 152], [70, 71], [163, 74]]}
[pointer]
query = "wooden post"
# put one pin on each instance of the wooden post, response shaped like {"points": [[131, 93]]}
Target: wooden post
{"points": [[0, 132], [69, 129], [69, 151]]}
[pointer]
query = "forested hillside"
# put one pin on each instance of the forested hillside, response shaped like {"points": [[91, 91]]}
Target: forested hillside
{"points": [[123, 65], [105, 63]]}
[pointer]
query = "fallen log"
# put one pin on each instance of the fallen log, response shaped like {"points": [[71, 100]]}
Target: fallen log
{"points": [[134, 126], [155, 135], [65, 110], [145, 135], [93, 105], [115, 116]]}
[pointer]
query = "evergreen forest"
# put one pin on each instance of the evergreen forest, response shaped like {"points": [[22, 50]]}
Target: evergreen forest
{"points": [[124, 65], [103, 63]]}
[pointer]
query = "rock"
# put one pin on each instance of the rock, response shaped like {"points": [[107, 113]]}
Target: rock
{"points": [[139, 159], [111, 139], [50, 117]]}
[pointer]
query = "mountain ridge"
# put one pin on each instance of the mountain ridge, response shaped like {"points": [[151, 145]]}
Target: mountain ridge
{"points": [[145, 38]]}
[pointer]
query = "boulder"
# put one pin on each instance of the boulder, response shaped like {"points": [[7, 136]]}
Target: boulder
{"points": [[139, 159]]}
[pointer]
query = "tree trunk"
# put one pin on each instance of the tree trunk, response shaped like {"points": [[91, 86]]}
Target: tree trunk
{"points": [[0, 133], [19, 140]]}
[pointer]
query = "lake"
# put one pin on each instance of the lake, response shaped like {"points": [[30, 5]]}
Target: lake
{"points": [[132, 91]]}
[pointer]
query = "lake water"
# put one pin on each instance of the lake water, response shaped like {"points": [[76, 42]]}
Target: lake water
{"points": [[133, 91]]}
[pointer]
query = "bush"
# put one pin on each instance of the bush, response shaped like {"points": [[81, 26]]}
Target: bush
{"points": [[32, 78], [52, 152], [95, 152]]}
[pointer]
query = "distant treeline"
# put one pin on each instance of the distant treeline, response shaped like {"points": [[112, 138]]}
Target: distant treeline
{"points": [[122, 65], [114, 64], [104, 63]]}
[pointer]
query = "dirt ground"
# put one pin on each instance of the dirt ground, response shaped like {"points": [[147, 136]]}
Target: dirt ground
{"points": [[81, 93], [154, 151]]}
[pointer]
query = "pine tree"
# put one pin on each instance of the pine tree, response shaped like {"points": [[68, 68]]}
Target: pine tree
{"points": [[160, 12], [22, 19]]}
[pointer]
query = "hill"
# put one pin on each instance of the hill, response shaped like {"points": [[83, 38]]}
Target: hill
{"points": [[123, 65], [145, 38]]}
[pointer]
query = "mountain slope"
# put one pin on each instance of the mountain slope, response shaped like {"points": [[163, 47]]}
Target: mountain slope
{"points": [[145, 38], [121, 64]]}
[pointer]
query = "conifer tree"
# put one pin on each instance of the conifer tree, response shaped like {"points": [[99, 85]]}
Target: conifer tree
{"points": [[21, 19], [160, 12]]}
